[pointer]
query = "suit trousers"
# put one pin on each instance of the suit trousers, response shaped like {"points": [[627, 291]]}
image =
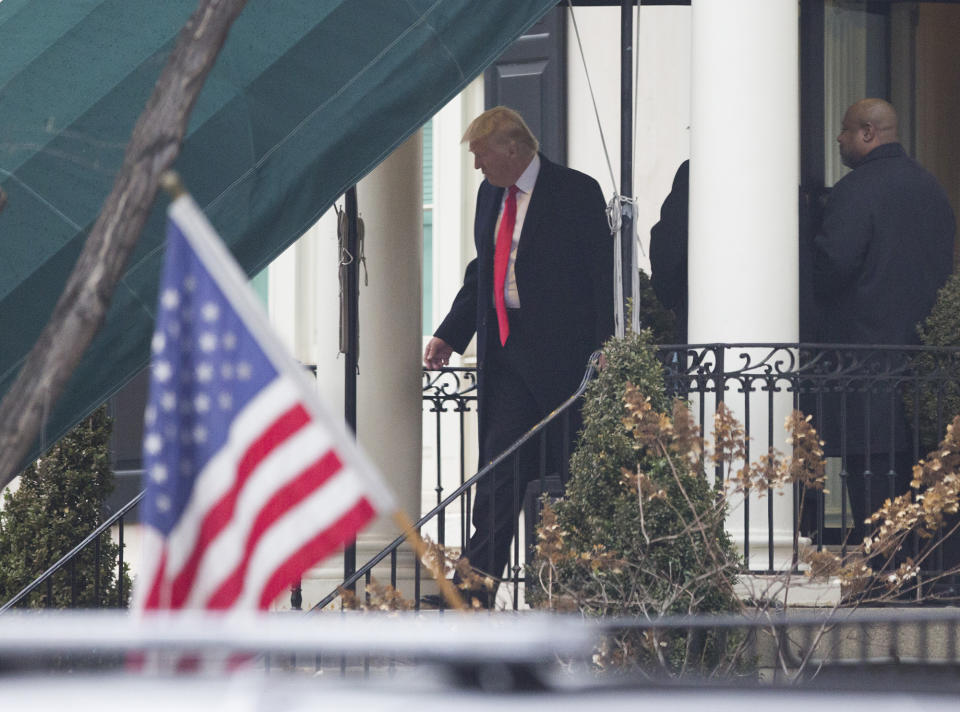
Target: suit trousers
{"points": [[509, 408]]}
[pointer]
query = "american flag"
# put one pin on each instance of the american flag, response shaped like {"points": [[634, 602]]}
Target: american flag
{"points": [[249, 481]]}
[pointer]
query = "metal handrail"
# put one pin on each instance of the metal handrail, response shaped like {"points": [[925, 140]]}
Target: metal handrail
{"points": [[588, 374]]}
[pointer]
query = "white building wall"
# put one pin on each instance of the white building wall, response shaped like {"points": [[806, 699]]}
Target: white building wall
{"points": [[455, 184], [662, 115]]}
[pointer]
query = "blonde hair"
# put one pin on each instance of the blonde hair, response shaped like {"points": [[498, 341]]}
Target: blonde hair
{"points": [[501, 125]]}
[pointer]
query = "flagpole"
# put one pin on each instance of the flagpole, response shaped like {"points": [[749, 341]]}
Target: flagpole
{"points": [[447, 589], [351, 355], [170, 182]]}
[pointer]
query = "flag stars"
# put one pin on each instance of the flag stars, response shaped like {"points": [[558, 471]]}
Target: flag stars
{"points": [[202, 403], [159, 473], [163, 503], [150, 416], [153, 444], [208, 342], [190, 283], [226, 370], [168, 401], [244, 371], [229, 341], [170, 299], [210, 311], [199, 434], [158, 343], [225, 401], [162, 371], [205, 372]]}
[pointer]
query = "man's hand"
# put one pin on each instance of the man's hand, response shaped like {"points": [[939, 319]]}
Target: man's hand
{"points": [[437, 353]]}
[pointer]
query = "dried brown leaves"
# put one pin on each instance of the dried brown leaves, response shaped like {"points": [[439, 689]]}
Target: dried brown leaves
{"points": [[805, 465], [936, 481]]}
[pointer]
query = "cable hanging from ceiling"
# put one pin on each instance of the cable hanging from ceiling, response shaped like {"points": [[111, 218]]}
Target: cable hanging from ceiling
{"points": [[618, 204]]}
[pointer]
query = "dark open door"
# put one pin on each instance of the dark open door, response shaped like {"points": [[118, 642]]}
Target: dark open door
{"points": [[531, 77]]}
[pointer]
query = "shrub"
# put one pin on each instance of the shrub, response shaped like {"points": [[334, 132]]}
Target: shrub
{"points": [[640, 531], [59, 502], [939, 396], [661, 322]]}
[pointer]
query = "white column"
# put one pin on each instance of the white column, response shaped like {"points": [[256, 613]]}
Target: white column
{"points": [[304, 305], [389, 384], [744, 177]]}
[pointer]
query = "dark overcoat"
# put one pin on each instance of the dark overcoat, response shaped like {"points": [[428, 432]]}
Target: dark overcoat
{"points": [[884, 250]]}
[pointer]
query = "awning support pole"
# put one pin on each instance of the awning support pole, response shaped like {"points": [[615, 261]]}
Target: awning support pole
{"points": [[626, 157]]}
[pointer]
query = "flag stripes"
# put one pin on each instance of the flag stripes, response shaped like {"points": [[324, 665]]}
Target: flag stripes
{"points": [[221, 515], [326, 542]]}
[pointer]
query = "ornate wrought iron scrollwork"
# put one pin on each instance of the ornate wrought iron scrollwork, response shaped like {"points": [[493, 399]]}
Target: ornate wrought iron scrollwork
{"points": [[450, 389]]}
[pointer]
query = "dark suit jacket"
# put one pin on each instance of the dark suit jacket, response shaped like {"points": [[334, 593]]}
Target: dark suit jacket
{"points": [[564, 272], [668, 251], [884, 250]]}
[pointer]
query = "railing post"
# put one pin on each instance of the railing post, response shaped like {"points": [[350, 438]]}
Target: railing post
{"points": [[120, 598], [96, 573]]}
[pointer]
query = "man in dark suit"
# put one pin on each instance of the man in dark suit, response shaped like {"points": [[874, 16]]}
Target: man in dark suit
{"points": [[539, 296], [884, 249]]}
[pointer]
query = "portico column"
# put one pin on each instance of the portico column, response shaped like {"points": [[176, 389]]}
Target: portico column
{"points": [[304, 304], [743, 249], [389, 385]]}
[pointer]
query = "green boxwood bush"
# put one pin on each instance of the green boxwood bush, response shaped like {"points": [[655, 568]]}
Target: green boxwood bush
{"points": [[59, 502], [640, 530], [939, 382]]}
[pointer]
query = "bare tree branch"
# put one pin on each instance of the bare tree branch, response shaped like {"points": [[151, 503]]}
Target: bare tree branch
{"points": [[81, 309]]}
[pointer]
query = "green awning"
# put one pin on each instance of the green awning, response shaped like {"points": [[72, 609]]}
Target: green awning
{"points": [[306, 97]]}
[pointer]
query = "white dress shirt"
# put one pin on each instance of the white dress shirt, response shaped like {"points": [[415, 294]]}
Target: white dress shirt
{"points": [[525, 184]]}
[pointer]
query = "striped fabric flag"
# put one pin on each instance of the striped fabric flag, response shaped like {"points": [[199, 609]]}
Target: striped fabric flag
{"points": [[249, 481]]}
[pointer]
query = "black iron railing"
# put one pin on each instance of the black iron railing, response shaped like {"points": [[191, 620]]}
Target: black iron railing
{"points": [[449, 395], [453, 391], [878, 409]]}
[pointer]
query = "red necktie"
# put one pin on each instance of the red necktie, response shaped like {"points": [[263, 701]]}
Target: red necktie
{"points": [[501, 258]]}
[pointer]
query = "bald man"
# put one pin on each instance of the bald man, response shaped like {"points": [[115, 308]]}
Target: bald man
{"points": [[884, 249]]}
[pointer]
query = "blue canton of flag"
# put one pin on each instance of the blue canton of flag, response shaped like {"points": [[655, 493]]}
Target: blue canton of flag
{"points": [[249, 482]]}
